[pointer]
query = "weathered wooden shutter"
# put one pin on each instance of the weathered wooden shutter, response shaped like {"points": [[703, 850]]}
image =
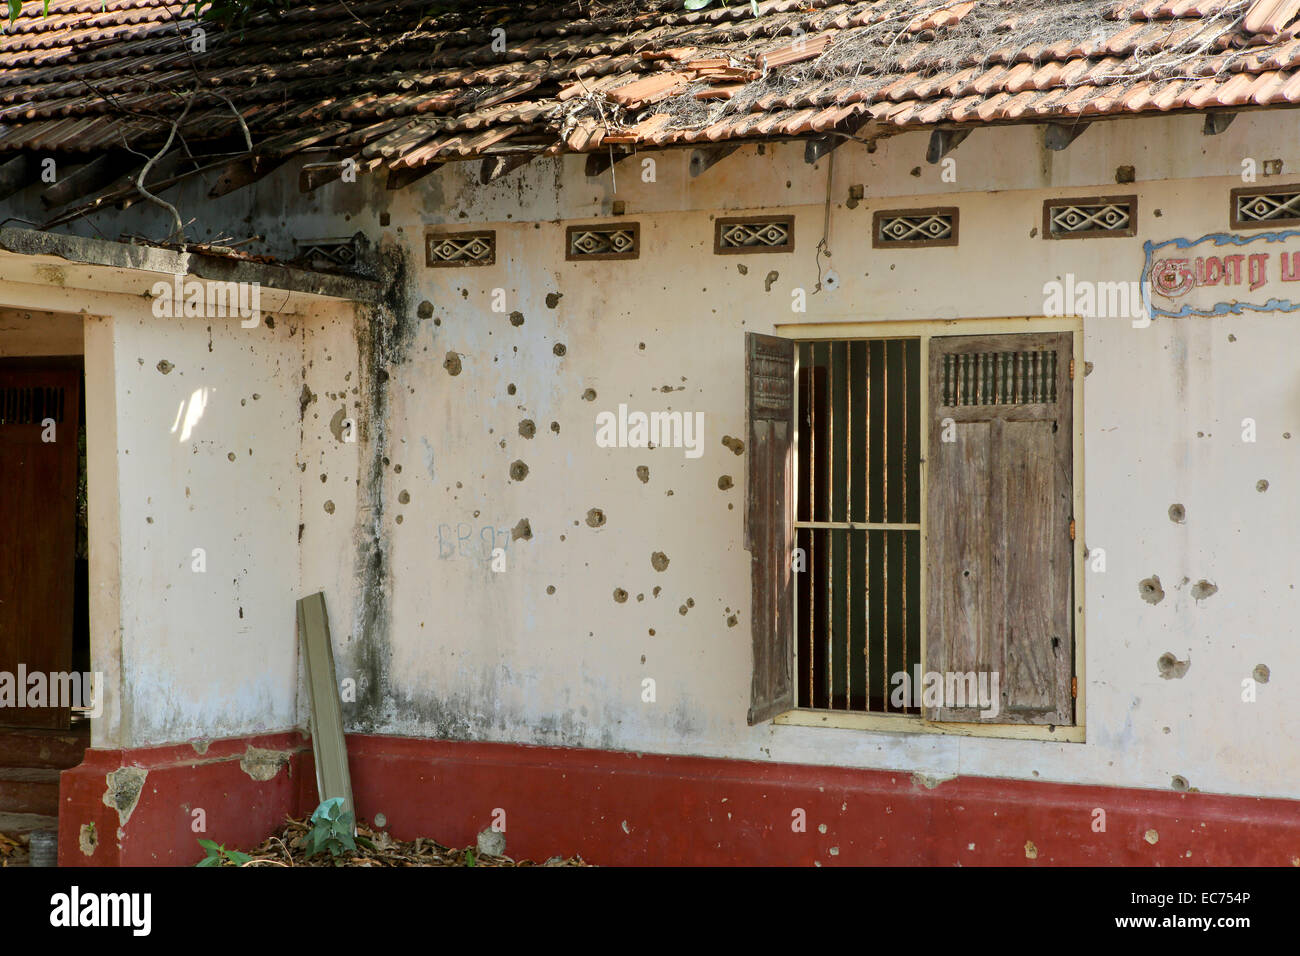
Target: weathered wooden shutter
{"points": [[999, 506], [769, 528]]}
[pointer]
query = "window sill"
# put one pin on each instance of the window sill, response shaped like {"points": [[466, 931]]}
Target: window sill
{"points": [[918, 725]]}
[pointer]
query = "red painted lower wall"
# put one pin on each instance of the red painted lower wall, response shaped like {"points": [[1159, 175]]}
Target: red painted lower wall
{"points": [[620, 808]]}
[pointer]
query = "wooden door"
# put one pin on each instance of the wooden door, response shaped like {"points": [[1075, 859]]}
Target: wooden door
{"points": [[38, 496]]}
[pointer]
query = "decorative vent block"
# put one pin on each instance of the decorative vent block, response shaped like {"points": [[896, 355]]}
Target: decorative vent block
{"points": [[763, 234], [342, 253], [999, 378], [1090, 218], [603, 242], [30, 405], [909, 228], [460, 248], [1260, 206]]}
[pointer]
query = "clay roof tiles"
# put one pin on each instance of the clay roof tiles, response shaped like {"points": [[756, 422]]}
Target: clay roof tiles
{"points": [[410, 87]]}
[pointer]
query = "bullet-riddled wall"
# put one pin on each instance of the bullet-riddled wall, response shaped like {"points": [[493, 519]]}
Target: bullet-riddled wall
{"points": [[478, 412]]}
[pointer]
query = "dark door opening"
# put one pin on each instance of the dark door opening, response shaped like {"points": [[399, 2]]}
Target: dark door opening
{"points": [[44, 623]]}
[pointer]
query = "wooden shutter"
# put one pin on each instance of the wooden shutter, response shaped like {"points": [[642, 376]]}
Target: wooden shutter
{"points": [[769, 528], [1000, 499]]}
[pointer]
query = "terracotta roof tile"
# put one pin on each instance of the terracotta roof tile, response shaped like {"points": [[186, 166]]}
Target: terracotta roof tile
{"points": [[432, 87]]}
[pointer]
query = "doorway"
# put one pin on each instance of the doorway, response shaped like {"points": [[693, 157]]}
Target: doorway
{"points": [[44, 623]]}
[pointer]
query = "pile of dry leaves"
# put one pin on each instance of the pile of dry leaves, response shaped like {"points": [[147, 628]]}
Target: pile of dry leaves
{"points": [[288, 848], [13, 850]]}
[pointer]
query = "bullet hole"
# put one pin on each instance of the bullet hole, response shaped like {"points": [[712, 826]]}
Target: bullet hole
{"points": [[559, 349], [1177, 513], [1203, 589], [735, 444], [641, 596], [643, 472], [1261, 485], [165, 366], [1170, 667], [329, 507], [1260, 673], [620, 596], [1087, 369], [1031, 851], [1151, 590], [595, 518], [1286, 434], [588, 394], [399, 519], [724, 483], [742, 268], [769, 279], [397, 469], [510, 389], [690, 602], [553, 299], [656, 591], [550, 589], [522, 530], [1179, 783], [1152, 837], [1125, 174], [452, 363], [516, 319], [527, 429], [659, 561], [385, 218], [682, 610], [518, 470], [641, 346], [1231, 337], [404, 498], [731, 621], [424, 310], [651, 632], [642, 658]]}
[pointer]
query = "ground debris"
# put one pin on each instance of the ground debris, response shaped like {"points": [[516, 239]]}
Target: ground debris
{"points": [[287, 847]]}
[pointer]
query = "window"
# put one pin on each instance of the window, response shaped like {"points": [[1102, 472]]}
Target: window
{"points": [[914, 228], [1258, 207], [910, 519]]}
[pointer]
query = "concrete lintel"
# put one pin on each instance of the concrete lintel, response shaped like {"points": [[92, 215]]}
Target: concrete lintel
{"points": [[152, 263]]}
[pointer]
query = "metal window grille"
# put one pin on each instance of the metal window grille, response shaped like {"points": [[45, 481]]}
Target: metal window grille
{"points": [[461, 249], [915, 227], [857, 523], [603, 242], [1090, 217]]}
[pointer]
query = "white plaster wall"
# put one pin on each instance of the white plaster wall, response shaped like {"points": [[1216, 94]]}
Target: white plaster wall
{"points": [[469, 653], [212, 653]]}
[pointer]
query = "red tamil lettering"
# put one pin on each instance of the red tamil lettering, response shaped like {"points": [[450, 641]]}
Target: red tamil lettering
{"points": [[1235, 262], [1257, 269], [1291, 267]]}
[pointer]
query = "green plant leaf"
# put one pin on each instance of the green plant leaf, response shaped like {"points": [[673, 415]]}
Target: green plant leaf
{"points": [[753, 6], [366, 842], [689, 5], [15, 8], [209, 845], [469, 854], [209, 861], [239, 859]]}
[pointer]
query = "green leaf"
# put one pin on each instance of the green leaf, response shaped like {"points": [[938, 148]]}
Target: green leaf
{"points": [[209, 845], [209, 861], [15, 8], [45, 12], [238, 858], [366, 842], [753, 6], [689, 5], [469, 854]]}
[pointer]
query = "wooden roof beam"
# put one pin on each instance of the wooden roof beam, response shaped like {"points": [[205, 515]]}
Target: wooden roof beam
{"points": [[1058, 136], [706, 157], [943, 142]]}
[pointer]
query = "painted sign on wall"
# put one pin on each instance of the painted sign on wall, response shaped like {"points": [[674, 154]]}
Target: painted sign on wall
{"points": [[1220, 274]]}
